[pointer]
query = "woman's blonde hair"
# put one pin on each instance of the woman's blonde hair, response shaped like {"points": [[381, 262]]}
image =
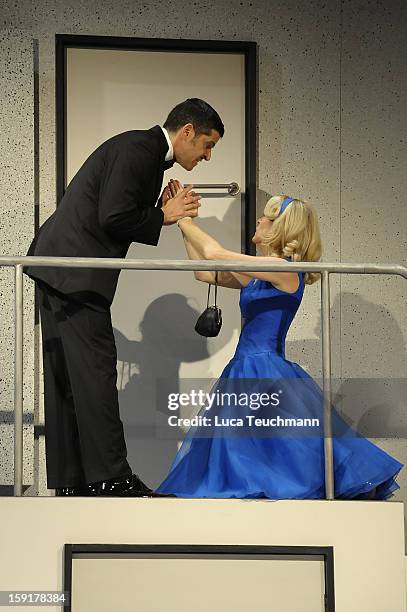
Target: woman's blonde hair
{"points": [[293, 234]]}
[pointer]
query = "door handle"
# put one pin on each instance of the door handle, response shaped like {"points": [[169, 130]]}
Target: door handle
{"points": [[232, 188]]}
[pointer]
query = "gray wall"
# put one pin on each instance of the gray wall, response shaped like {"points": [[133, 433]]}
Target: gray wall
{"points": [[332, 128]]}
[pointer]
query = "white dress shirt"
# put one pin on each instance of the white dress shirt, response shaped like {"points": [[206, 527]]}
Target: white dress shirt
{"points": [[170, 153]]}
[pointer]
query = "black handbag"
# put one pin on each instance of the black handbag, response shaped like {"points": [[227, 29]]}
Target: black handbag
{"points": [[210, 321]]}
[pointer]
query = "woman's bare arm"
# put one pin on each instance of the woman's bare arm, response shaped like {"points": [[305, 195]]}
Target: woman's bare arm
{"points": [[225, 279], [212, 250]]}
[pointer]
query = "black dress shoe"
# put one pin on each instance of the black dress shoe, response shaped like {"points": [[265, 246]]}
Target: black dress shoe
{"points": [[126, 486]]}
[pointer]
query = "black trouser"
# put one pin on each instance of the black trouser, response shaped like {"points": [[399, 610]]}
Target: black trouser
{"points": [[83, 432]]}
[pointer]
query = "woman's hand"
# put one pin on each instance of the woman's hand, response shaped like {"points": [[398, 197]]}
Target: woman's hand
{"points": [[165, 196], [174, 186], [183, 202]]}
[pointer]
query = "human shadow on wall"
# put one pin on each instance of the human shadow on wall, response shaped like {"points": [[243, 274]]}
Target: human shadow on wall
{"points": [[166, 342], [149, 368], [370, 394]]}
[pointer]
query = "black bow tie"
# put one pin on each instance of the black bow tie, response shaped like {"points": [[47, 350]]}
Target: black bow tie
{"points": [[168, 164]]}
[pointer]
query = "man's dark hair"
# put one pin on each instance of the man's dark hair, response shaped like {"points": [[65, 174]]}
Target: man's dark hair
{"points": [[203, 117]]}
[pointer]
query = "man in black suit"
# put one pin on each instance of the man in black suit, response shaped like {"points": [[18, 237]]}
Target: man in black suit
{"points": [[111, 202]]}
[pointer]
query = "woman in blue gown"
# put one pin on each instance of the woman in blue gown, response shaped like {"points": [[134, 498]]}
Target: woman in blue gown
{"points": [[249, 461]]}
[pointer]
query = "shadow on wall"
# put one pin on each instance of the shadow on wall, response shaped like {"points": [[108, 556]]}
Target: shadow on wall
{"points": [[168, 339], [149, 368], [371, 393]]}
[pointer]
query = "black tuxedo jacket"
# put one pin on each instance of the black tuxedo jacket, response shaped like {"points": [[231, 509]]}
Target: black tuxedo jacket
{"points": [[108, 204]]}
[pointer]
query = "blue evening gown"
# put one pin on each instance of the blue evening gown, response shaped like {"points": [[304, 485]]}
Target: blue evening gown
{"points": [[249, 462]]}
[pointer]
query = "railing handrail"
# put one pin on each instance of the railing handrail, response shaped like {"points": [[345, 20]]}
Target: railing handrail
{"points": [[19, 262], [201, 264]]}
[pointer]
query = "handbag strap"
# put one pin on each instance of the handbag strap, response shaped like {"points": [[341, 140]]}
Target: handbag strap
{"points": [[216, 289]]}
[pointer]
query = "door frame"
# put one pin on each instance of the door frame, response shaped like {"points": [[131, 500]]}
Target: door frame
{"points": [[245, 48], [72, 551]]}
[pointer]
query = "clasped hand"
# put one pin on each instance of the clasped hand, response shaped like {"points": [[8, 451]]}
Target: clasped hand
{"points": [[178, 202]]}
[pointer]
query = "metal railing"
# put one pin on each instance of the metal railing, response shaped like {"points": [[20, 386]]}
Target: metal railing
{"points": [[157, 264]]}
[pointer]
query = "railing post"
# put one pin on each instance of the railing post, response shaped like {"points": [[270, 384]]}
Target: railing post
{"points": [[326, 384], [18, 381]]}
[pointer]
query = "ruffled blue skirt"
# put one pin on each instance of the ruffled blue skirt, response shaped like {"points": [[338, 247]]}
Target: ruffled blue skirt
{"points": [[225, 461]]}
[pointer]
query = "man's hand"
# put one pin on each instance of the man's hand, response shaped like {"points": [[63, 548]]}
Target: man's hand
{"points": [[183, 203]]}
